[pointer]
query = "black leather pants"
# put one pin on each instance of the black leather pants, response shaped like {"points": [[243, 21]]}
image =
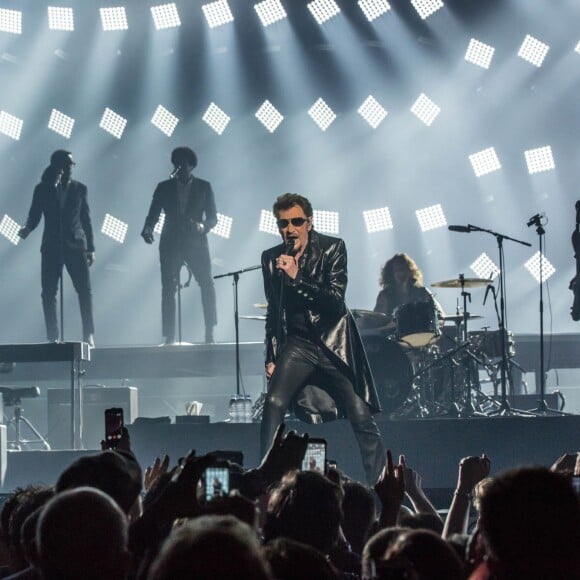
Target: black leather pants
{"points": [[300, 362]]}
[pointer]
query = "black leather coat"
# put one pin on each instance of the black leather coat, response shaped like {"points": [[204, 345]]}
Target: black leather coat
{"points": [[321, 286]]}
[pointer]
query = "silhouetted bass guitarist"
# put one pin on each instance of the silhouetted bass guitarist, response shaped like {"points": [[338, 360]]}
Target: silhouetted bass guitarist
{"points": [[575, 283]]}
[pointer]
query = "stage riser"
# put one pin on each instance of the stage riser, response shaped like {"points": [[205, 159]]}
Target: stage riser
{"points": [[432, 447]]}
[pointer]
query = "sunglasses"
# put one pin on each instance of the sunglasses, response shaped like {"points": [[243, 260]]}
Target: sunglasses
{"points": [[296, 222]]}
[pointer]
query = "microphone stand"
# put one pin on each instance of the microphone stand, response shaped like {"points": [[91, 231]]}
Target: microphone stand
{"points": [[542, 408], [236, 279], [504, 410]]}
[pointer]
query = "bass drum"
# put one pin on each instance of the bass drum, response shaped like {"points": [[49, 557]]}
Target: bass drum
{"points": [[392, 371]]}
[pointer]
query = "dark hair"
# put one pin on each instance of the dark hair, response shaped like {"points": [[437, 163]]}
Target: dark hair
{"points": [[60, 158], [358, 506], [288, 200], [184, 153], [387, 278]]}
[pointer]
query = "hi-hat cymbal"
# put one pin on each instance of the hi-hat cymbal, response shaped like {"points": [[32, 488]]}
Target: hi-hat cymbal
{"points": [[261, 305], [466, 282], [252, 317], [459, 317]]}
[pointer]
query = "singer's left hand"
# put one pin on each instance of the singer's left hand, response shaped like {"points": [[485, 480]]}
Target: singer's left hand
{"points": [[199, 227], [288, 264], [90, 258]]}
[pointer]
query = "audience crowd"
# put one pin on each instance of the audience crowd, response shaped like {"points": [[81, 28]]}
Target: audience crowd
{"points": [[104, 519]]}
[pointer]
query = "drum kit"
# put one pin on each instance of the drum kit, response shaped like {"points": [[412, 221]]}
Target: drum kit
{"points": [[426, 366]]}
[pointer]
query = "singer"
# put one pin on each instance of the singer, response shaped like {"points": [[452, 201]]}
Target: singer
{"points": [[190, 213], [67, 239], [311, 337]]}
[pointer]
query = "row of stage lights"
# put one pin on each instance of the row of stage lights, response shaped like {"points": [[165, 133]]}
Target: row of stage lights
{"points": [[482, 162], [216, 14], [429, 218]]}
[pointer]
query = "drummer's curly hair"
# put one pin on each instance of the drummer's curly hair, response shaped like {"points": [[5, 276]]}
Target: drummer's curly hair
{"points": [[387, 278]]}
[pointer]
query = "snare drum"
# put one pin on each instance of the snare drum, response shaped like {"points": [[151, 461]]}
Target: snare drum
{"points": [[392, 371], [417, 323]]}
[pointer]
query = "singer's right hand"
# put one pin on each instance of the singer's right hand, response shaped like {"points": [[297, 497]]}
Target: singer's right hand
{"points": [[270, 368], [23, 232]]}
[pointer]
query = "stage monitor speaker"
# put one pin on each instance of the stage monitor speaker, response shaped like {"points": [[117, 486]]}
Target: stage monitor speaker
{"points": [[94, 401]]}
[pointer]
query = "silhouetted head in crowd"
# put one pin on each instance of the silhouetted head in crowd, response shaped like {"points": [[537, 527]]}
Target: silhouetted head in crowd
{"points": [[115, 473], [376, 547], [211, 547], [28, 537], [82, 533], [530, 523], [291, 560], [422, 522], [427, 554], [359, 513], [29, 501], [306, 507]]}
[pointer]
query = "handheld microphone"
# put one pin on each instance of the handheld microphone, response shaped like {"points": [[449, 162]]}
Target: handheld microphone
{"points": [[535, 219], [58, 178], [463, 229], [175, 172], [289, 247], [489, 287]]}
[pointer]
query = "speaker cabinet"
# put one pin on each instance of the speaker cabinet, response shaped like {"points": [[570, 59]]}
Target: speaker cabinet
{"points": [[94, 402]]}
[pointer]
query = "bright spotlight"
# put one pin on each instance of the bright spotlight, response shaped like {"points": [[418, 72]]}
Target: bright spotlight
{"points": [[269, 116], [323, 10], [426, 7], [326, 222], [10, 125], [479, 53], [114, 228], [165, 16], [540, 159], [164, 120], [61, 123], [431, 218], [484, 267], [60, 18], [158, 229], [533, 267], [577, 49], [372, 112], [268, 223], [9, 229], [114, 18], [485, 162], [533, 50], [372, 9], [223, 228], [425, 109], [270, 11], [217, 13], [322, 114], [378, 220], [10, 21], [113, 123], [216, 118]]}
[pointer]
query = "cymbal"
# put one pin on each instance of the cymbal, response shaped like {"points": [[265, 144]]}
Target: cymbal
{"points": [[459, 317], [368, 319], [467, 283], [251, 317], [261, 305]]}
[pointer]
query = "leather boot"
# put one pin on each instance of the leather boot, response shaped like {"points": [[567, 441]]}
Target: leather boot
{"points": [[370, 444]]}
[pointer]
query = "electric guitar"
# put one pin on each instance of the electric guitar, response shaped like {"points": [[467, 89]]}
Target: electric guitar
{"points": [[575, 284]]}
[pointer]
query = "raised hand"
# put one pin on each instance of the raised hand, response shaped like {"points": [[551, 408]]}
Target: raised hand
{"points": [[155, 471], [471, 471], [390, 488]]}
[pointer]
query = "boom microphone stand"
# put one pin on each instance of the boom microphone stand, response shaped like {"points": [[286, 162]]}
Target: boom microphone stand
{"points": [[542, 408], [505, 409], [236, 276]]}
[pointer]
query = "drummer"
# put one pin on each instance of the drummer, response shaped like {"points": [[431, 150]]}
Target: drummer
{"points": [[402, 283]]}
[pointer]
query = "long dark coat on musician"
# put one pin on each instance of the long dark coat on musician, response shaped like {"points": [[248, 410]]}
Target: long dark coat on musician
{"points": [[322, 285]]}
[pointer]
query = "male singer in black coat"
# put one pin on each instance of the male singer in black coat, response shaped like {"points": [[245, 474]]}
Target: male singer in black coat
{"points": [[190, 213], [67, 239], [311, 337]]}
